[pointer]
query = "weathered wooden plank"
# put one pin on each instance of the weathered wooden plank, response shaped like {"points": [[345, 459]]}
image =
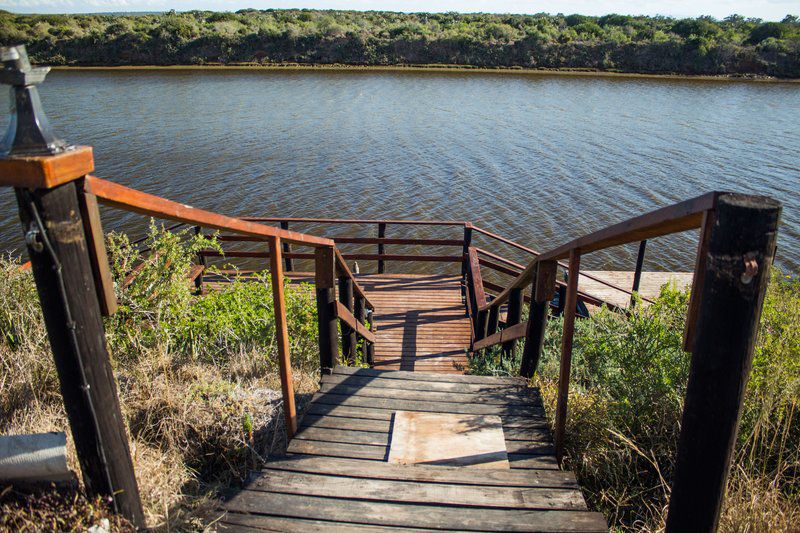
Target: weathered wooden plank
{"points": [[412, 515], [535, 419], [343, 435], [338, 449], [507, 398], [356, 468], [428, 377], [356, 424], [421, 405], [521, 447], [278, 481], [517, 460], [438, 386], [248, 522]]}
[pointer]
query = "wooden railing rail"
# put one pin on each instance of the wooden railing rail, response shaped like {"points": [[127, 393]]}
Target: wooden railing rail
{"points": [[116, 195], [735, 250], [475, 294], [671, 219], [353, 295], [393, 222], [495, 261], [564, 266]]}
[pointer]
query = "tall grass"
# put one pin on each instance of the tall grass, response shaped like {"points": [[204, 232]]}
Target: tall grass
{"points": [[197, 377], [627, 387]]}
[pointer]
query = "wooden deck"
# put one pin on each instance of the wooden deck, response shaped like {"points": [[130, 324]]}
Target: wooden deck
{"points": [[649, 286], [421, 320], [335, 476]]}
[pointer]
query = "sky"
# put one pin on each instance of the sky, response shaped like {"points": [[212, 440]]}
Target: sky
{"points": [[764, 9]]}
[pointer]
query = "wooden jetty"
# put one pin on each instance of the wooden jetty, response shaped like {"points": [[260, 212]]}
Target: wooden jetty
{"points": [[368, 453]]}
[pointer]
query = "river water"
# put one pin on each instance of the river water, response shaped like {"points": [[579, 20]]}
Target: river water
{"points": [[540, 159]]}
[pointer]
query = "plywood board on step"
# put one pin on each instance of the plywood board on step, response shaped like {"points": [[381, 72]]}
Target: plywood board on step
{"points": [[448, 440]]}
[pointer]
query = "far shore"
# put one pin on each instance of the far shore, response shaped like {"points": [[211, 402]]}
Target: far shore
{"points": [[519, 71]]}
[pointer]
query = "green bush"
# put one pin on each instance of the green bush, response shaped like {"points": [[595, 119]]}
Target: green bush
{"points": [[379, 38], [628, 382]]}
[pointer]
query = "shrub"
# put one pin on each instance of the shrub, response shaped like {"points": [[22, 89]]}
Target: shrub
{"points": [[628, 382], [197, 375]]}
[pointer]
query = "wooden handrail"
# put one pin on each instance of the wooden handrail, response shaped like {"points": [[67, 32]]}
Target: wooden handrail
{"points": [[344, 314], [360, 240], [128, 199], [341, 266], [535, 253], [359, 221], [114, 194], [675, 218], [517, 331], [381, 257]]}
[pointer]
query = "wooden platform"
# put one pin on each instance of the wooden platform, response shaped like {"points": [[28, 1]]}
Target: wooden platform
{"points": [[421, 320], [335, 476], [649, 286]]}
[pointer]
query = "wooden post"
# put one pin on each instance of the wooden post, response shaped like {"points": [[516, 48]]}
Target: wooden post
{"points": [[360, 313], [566, 350], [325, 283], [736, 273], [465, 250], [513, 315], [96, 243], [562, 299], [371, 346], [349, 341], [542, 291], [282, 336], [201, 260], [50, 210], [287, 248], [698, 280], [493, 320], [637, 274], [381, 248]]}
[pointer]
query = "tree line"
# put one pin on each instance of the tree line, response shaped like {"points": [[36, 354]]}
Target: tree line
{"points": [[704, 45]]}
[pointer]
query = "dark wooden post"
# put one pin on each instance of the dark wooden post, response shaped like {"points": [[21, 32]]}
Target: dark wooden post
{"points": [[736, 273], [381, 247], [465, 250], [637, 274], [493, 320], [566, 350], [513, 315], [287, 249], [43, 172], [542, 291], [201, 260], [371, 346], [360, 313], [562, 299], [282, 337], [349, 340], [325, 286]]}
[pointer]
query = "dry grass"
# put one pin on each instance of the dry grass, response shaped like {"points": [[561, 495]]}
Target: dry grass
{"points": [[196, 425]]}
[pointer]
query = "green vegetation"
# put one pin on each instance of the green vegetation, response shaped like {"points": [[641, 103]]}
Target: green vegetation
{"points": [[627, 386], [197, 377], [733, 46]]}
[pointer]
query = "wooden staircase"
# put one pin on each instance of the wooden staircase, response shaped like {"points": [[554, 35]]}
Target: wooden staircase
{"points": [[336, 477]]}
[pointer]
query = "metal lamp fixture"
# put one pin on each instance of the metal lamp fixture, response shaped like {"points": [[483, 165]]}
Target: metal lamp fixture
{"points": [[29, 132]]}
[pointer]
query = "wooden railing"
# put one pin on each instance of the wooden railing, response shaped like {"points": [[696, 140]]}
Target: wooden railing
{"points": [[353, 309], [735, 250]]}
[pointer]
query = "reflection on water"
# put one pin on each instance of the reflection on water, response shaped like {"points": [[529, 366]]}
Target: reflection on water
{"points": [[539, 159]]}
